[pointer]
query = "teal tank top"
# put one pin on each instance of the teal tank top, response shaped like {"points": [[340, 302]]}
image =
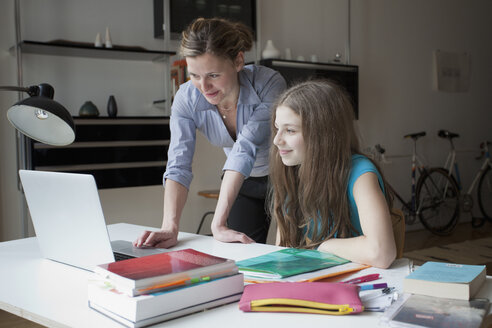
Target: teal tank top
{"points": [[360, 165]]}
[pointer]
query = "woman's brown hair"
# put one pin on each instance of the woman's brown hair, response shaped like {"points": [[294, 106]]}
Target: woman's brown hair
{"points": [[217, 36], [313, 195]]}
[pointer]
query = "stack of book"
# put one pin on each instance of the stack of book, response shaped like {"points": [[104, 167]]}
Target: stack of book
{"points": [[447, 280], [295, 265], [441, 295], [146, 290]]}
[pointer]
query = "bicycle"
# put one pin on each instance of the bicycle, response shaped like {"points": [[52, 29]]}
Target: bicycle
{"points": [[483, 177], [434, 197]]}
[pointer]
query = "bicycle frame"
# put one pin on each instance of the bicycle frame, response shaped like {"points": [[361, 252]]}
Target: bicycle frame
{"points": [[431, 191], [417, 163], [452, 163]]}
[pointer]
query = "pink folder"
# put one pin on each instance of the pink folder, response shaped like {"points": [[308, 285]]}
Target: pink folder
{"points": [[302, 297]]}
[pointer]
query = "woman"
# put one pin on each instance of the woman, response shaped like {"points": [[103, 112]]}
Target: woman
{"points": [[325, 194], [230, 104]]}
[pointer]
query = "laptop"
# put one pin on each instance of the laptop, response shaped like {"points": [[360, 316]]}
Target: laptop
{"points": [[68, 220]]}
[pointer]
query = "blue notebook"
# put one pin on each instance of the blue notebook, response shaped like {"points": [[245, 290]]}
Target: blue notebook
{"points": [[446, 280], [447, 272]]}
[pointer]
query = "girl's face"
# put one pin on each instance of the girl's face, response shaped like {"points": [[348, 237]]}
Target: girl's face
{"points": [[216, 78], [289, 139]]}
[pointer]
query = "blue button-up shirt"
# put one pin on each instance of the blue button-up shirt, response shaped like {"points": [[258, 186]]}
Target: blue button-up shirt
{"points": [[248, 155]]}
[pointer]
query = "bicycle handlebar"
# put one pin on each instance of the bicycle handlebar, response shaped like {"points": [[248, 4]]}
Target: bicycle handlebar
{"points": [[415, 136], [447, 134]]}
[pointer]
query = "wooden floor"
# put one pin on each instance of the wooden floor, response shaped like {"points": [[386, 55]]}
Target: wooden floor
{"points": [[414, 240], [421, 239], [9, 320]]}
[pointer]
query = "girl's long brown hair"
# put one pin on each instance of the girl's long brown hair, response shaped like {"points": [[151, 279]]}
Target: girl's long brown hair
{"points": [[316, 190]]}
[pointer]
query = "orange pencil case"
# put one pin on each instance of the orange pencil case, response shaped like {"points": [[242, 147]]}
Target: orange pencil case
{"points": [[302, 297]]}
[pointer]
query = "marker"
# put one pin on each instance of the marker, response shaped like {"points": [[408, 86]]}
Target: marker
{"points": [[367, 278], [373, 286]]}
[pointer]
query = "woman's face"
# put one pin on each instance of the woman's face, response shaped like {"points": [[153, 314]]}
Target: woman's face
{"points": [[289, 139], [216, 78]]}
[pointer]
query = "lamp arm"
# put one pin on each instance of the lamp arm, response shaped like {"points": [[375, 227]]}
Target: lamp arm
{"points": [[43, 90], [12, 88]]}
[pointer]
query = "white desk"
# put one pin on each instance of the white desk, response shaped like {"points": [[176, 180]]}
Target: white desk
{"points": [[55, 295]]}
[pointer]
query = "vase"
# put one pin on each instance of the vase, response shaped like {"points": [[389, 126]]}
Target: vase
{"points": [[98, 41], [108, 43], [288, 54], [270, 51], [112, 108], [88, 109]]}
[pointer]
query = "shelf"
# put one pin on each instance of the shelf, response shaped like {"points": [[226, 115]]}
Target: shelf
{"points": [[120, 152], [309, 65], [121, 120], [67, 48]]}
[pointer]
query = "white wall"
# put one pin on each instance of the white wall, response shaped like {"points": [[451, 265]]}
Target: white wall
{"points": [[308, 27], [391, 41], [135, 84], [10, 200]]}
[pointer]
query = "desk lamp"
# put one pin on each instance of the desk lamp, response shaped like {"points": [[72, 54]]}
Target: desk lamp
{"points": [[40, 117]]}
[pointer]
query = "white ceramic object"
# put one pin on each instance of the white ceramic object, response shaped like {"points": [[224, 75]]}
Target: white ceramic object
{"points": [[270, 51], [288, 54], [108, 42], [98, 41], [338, 58]]}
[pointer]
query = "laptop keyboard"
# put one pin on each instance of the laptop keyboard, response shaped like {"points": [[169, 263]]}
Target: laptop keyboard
{"points": [[120, 256]]}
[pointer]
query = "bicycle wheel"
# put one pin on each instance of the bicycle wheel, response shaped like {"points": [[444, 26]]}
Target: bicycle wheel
{"points": [[438, 201], [485, 193]]}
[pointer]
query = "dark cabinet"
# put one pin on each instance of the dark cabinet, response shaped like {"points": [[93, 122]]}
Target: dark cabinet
{"points": [[346, 76], [119, 152]]}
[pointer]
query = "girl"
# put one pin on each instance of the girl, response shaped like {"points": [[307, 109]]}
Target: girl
{"points": [[229, 103], [325, 194]]}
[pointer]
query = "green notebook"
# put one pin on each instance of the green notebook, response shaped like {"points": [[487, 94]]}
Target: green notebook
{"points": [[288, 262]]}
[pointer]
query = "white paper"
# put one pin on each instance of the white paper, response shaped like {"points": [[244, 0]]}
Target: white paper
{"points": [[453, 71]]}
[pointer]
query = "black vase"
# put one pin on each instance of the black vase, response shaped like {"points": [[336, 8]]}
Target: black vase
{"points": [[112, 108]]}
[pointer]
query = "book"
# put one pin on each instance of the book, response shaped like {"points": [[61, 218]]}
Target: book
{"points": [[332, 274], [287, 262], [436, 312], [166, 316], [143, 307], [163, 271], [447, 280]]}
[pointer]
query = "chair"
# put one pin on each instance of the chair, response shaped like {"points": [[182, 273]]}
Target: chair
{"points": [[214, 194], [398, 223]]}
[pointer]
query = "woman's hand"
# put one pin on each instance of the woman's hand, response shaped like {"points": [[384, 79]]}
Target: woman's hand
{"points": [[226, 235], [229, 189], [159, 239], [175, 196]]}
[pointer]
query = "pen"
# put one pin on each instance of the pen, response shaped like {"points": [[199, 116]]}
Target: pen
{"points": [[384, 292], [373, 286], [358, 280], [180, 282]]}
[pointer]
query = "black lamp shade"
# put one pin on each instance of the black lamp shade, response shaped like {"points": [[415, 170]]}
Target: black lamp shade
{"points": [[44, 120]]}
